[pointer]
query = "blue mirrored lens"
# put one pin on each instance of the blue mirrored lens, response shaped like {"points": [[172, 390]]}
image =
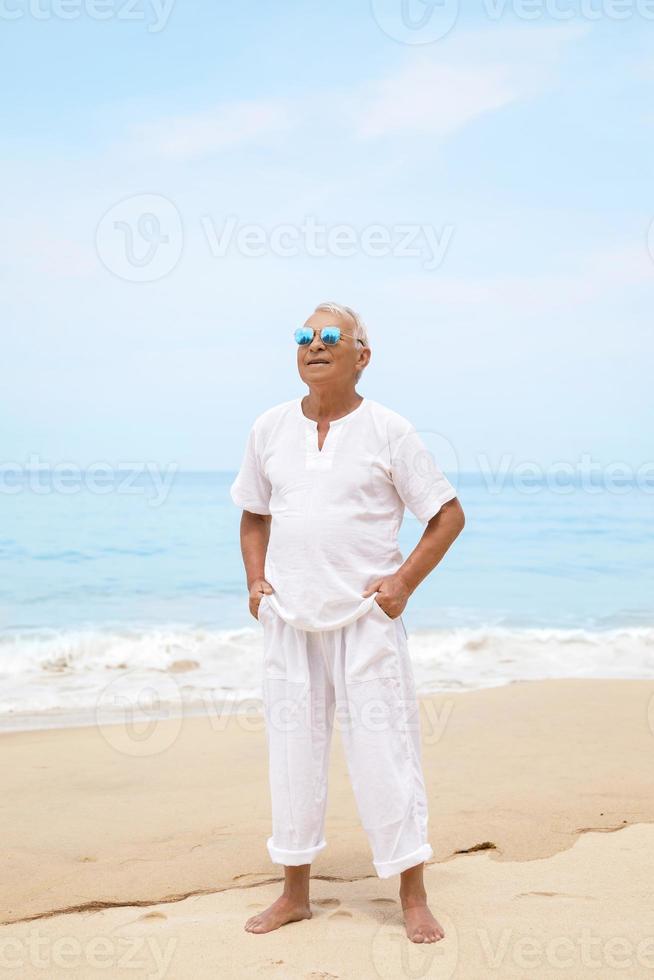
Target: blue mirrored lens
{"points": [[330, 335], [303, 335]]}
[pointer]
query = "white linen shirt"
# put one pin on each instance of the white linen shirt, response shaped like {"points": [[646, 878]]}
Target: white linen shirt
{"points": [[336, 512]]}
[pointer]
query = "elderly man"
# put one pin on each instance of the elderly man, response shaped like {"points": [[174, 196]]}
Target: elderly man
{"points": [[323, 486]]}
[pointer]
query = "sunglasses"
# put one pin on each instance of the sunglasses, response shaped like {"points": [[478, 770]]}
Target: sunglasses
{"points": [[329, 335]]}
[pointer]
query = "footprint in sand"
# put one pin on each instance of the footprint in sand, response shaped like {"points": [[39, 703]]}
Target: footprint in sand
{"points": [[340, 914], [383, 901], [152, 915], [326, 903]]}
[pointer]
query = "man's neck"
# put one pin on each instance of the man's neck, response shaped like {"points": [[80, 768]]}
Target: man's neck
{"points": [[323, 404]]}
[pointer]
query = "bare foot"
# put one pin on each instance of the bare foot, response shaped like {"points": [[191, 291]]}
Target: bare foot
{"points": [[278, 914], [421, 926]]}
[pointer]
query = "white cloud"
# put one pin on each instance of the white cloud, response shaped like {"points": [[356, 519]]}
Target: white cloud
{"points": [[436, 93], [205, 133], [433, 98], [474, 74]]}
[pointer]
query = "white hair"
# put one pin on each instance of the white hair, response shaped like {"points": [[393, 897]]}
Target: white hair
{"points": [[360, 330]]}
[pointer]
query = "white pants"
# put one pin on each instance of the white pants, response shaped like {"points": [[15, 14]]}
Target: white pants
{"points": [[362, 674]]}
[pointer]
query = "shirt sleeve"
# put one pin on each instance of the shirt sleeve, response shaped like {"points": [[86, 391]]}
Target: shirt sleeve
{"points": [[251, 489], [417, 477]]}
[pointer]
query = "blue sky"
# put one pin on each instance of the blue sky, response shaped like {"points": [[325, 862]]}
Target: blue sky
{"points": [[524, 145]]}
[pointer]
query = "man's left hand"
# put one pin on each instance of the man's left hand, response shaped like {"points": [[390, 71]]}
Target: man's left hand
{"points": [[393, 596]]}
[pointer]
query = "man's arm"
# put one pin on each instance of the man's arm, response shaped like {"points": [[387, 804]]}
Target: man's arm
{"points": [[255, 532], [439, 534]]}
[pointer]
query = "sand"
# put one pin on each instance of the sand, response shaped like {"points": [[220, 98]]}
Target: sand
{"points": [[133, 856]]}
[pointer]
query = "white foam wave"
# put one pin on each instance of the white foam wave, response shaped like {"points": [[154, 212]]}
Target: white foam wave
{"points": [[69, 671], [84, 650]]}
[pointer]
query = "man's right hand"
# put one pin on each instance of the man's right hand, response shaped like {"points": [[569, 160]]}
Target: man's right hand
{"points": [[257, 590]]}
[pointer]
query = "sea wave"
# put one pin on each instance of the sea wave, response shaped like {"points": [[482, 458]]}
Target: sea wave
{"points": [[48, 670], [88, 650]]}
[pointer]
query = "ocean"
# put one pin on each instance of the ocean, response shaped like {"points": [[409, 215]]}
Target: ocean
{"points": [[126, 589]]}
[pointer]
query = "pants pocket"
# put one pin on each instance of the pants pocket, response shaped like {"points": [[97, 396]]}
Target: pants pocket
{"points": [[398, 619], [274, 659], [263, 602], [373, 647], [375, 605]]}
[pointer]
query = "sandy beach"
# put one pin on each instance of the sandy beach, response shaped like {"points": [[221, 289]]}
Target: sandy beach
{"points": [[135, 856]]}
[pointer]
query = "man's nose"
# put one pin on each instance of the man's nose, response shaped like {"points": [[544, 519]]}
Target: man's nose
{"points": [[317, 343]]}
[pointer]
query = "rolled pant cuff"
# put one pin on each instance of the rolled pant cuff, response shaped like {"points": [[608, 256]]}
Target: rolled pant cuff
{"points": [[385, 869], [293, 858]]}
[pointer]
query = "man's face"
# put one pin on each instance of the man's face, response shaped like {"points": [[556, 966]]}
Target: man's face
{"points": [[320, 363]]}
